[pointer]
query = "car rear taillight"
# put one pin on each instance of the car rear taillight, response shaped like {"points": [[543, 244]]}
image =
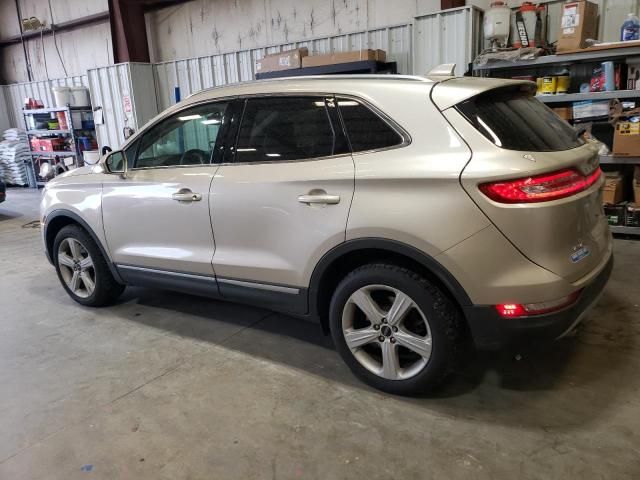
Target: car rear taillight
{"points": [[540, 188], [515, 310]]}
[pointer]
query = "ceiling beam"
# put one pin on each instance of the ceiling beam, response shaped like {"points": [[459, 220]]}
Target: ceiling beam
{"points": [[58, 27]]}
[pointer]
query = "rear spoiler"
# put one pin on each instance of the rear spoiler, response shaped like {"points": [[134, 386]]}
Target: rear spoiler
{"points": [[450, 91]]}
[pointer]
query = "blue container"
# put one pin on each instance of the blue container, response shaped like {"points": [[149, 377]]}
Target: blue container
{"points": [[609, 76], [630, 29], [85, 143]]}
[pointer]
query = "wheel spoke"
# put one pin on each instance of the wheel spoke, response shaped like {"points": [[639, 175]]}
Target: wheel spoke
{"points": [[390, 361], [401, 305], [365, 303], [415, 343], [66, 260], [362, 336], [89, 285], [74, 283], [74, 247], [86, 263]]}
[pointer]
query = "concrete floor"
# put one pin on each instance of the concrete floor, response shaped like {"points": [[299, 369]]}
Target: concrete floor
{"points": [[168, 386]]}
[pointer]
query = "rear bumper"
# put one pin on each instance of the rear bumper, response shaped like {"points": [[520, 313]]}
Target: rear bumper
{"points": [[491, 331]]}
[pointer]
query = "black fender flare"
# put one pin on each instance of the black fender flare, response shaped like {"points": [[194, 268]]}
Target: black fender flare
{"points": [[392, 246], [77, 219]]}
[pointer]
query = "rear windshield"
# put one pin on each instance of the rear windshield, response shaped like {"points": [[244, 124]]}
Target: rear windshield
{"points": [[515, 120]]}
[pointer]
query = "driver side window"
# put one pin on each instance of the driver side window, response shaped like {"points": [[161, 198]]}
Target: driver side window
{"points": [[186, 138]]}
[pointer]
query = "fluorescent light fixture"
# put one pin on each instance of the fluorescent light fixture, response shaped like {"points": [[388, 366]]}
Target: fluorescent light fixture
{"points": [[347, 103], [246, 150], [272, 154], [213, 121], [189, 117], [319, 104]]}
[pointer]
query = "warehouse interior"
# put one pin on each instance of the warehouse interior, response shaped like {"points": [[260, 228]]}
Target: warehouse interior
{"points": [[169, 380]]}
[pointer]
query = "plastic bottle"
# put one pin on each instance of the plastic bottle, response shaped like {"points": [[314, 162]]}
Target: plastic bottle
{"points": [[630, 29]]}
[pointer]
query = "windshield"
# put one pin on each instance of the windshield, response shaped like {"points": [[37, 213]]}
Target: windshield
{"points": [[515, 120]]}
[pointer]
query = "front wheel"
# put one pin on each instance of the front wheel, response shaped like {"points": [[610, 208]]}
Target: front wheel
{"points": [[395, 330], [82, 269]]}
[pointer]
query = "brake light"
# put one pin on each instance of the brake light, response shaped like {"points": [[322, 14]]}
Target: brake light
{"points": [[515, 310], [540, 188]]}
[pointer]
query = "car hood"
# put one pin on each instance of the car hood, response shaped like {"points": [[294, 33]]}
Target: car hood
{"points": [[77, 172]]}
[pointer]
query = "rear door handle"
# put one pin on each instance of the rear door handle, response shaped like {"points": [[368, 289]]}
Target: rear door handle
{"points": [[186, 195], [319, 198]]}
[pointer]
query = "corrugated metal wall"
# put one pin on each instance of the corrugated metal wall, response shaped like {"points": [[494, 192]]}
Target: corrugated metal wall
{"points": [[195, 74], [16, 93], [4, 110], [450, 36], [126, 96]]}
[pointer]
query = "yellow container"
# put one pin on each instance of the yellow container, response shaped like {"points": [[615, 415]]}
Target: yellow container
{"points": [[549, 85], [562, 83], [539, 85]]}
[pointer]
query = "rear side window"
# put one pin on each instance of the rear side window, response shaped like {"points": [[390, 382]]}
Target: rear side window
{"points": [[286, 128], [366, 130], [514, 120]]}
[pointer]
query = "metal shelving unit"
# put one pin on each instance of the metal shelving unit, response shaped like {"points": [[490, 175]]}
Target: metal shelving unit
{"points": [[624, 230], [580, 57], [579, 97], [618, 160], [70, 132]]}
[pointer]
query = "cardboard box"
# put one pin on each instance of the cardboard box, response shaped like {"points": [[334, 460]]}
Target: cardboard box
{"points": [[579, 21], [344, 57], [566, 113], [612, 190], [282, 61], [591, 108], [626, 139]]}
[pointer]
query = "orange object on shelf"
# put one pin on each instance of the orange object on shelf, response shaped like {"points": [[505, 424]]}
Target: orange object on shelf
{"points": [[62, 120]]}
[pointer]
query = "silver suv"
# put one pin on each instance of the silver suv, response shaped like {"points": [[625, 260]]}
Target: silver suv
{"points": [[404, 214]]}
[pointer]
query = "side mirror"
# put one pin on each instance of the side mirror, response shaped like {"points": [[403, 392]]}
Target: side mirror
{"points": [[116, 163]]}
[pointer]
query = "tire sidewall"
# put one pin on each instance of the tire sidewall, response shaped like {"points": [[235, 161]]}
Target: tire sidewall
{"points": [[435, 308], [88, 243]]}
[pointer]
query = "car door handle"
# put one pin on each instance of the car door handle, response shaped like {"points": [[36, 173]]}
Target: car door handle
{"points": [[322, 198], [186, 195]]}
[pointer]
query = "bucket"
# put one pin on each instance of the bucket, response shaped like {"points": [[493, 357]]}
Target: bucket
{"points": [[79, 97], [91, 157], [61, 96]]}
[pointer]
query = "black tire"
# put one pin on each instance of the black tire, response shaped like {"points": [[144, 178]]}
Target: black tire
{"points": [[442, 316], [107, 289]]}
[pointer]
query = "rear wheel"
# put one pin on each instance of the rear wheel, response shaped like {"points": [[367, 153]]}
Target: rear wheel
{"points": [[395, 330], [82, 269]]}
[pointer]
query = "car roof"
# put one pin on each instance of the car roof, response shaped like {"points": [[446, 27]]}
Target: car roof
{"points": [[311, 83], [449, 91]]}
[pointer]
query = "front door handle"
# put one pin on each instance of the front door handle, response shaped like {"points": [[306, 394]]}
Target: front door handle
{"points": [[319, 198], [186, 195]]}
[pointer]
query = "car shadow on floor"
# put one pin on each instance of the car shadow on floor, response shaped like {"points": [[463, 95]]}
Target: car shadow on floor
{"points": [[8, 214], [544, 386]]}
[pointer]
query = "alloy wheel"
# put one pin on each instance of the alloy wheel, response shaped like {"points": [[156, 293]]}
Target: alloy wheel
{"points": [[76, 267], [387, 332]]}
